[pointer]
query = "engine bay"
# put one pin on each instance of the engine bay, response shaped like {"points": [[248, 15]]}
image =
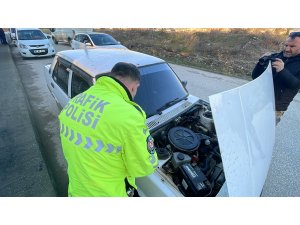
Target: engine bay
{"points": [[189, 154]]}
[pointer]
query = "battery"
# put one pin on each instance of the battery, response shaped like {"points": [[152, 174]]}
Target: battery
{"points": [[193, 181]]}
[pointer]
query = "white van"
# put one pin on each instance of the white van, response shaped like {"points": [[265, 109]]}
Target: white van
{"points": [[66, 34], [12, 32], [32, 42], [10, 36]]}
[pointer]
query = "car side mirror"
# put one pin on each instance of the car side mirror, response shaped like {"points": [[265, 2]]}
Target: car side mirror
{"points": [[52, 29], [184, 83], [49, 37]]}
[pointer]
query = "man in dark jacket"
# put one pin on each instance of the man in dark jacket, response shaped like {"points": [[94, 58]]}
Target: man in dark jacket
{"points": [[2, 37], [286, 72]]}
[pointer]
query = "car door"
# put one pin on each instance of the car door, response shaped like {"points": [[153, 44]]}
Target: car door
{"points": [[79, 42], [64, 34], [61, 82], [76, 41], [90, 42], [58, 34]]}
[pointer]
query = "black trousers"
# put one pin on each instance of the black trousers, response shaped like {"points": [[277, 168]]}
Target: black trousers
{"points": [[129, 188]]}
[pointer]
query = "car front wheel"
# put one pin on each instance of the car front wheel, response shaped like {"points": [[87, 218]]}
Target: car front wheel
{"points": [[69, 41], [54, 40]]}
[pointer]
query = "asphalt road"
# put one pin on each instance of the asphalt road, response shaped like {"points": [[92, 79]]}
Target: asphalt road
{"points": [[45, 112], [283, 178], [23, 171]]}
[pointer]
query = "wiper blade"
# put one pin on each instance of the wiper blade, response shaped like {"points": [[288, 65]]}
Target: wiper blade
{"points": [[108, 44], [170, 103]]}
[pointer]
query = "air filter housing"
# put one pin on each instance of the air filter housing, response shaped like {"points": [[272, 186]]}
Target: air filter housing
{"points": [[183, 139]]}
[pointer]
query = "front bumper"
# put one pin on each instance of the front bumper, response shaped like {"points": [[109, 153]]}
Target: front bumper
{"points": [[37, 52]]}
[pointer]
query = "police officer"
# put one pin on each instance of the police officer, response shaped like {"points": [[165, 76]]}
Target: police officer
{"points": [[105, 138]]}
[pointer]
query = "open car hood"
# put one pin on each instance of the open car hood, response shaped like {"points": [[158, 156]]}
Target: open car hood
{"points": [[244, 119]]}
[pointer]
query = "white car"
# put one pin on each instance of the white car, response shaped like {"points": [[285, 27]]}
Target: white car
{"points": [[66, 34], [187, 145], [95, 40], [32, 42]]}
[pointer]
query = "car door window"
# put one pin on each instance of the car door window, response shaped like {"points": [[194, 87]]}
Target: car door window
{"points": [[89, 40], [77, 38], [61, 76], [78, 85], [85, 39], [81, 37]]}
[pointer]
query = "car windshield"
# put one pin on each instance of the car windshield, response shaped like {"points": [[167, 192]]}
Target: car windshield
{"points": [[30, 35], [103, 39], [159, 87]]}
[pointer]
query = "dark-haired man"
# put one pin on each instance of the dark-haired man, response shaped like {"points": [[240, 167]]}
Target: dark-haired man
{"points": [[2, 37], [109, 143], [286, 72]]}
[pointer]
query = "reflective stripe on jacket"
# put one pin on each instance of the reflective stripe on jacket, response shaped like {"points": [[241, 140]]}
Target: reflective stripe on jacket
{"points": [[105, 139]]}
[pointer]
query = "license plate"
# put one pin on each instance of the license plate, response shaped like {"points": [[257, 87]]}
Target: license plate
{"points": [[39, 51]]}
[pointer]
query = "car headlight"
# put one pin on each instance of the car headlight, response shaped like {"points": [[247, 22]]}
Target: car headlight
{"points": [[47, 45], [22, 46]]}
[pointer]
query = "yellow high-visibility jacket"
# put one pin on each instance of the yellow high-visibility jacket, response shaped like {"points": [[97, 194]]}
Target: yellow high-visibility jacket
{"points": [[105, 139]]}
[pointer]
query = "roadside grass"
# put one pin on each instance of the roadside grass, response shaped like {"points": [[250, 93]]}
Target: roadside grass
{"points": [[232, 52]]}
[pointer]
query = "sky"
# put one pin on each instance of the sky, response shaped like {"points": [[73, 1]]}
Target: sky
{"points": [[149, 14]]}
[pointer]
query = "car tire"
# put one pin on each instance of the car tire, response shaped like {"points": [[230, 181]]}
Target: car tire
{"points": [[69, 41], [54, 40]]}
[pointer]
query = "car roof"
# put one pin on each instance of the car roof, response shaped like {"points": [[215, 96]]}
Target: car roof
{"points": [[27, 28], [99, 61], [92, 33]]}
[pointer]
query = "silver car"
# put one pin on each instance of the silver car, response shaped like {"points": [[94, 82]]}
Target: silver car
{"points": [[95, 40], [31, 42]]}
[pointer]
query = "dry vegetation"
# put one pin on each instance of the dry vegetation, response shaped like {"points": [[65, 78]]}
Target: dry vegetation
{"points": [[228, 51]]}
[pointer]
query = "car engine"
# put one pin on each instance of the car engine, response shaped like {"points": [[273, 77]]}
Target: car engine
{"points": [[189, 154]]}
